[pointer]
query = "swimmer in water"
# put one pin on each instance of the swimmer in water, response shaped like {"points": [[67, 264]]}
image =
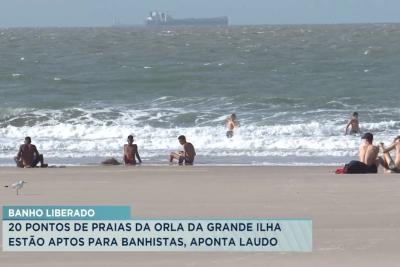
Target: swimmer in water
{"points": [[353, 124], [231, 124]]}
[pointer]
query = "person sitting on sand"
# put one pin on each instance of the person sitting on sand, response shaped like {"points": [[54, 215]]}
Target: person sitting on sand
{"points": [[28, 156], [354, 124], [368, 158], [387, 161], [368, 153], [231, 124], [130, 152], [187, 155]]}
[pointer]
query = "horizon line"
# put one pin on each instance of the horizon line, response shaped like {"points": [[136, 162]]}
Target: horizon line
{"points": [[183, 26]]}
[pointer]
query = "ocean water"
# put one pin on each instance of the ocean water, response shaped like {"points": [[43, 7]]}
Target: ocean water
{"points": [[78, 92]]}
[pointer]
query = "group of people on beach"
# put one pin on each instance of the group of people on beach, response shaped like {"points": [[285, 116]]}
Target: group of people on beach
{"points": [[371, 156], [29, 157], [183, 157]]}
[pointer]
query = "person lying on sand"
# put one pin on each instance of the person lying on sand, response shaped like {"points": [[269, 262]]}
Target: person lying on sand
{"points": [[28, 156], [231, 124], [354, 124], [387, 161], [187, 155], [130, 152]]}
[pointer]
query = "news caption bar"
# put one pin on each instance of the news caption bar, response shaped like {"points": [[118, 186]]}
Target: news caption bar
{"points": [[111, 228]]}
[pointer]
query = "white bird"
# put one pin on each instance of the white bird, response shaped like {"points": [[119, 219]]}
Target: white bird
{"points": [[17, 185]]}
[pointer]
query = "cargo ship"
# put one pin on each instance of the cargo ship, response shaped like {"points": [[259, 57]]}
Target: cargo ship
{"points": [[156, 18]]}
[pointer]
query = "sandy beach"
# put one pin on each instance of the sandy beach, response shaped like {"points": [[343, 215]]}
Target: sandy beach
{"points": [[356, 218]]}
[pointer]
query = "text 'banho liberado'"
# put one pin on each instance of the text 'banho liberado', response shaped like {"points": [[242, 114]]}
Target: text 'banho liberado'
{"points": [[51, 213]]}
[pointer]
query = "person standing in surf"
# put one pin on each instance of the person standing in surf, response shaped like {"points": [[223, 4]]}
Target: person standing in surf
{"points": [[353, 124], [231, 124]]}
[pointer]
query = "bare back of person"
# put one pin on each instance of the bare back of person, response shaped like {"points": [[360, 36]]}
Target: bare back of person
{"points": [[28, 153], [368, 157], [189, 151], [28, 156], [368, 154]]}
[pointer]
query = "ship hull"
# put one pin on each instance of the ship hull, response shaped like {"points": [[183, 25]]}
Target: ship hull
{"points": [[220, 21]]}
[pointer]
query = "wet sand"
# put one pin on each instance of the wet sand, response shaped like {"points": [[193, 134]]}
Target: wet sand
{"points": [[356, 218]]}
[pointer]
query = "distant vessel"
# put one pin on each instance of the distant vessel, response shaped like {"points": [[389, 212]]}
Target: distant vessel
{"points": [[159, 19]]}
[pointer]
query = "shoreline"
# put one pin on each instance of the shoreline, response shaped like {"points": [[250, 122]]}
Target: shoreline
{"points": [[167, 165], [202, 160]]}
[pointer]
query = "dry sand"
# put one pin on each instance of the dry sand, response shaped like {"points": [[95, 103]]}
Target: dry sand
{"points": [[356, 218]]}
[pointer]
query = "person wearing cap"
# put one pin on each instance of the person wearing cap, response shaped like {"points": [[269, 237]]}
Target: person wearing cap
{"points": [[187, 155], [387, 161], [368, 153]]}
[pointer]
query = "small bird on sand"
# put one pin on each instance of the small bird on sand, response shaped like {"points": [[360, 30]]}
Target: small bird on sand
{"points": [[17, 185]]}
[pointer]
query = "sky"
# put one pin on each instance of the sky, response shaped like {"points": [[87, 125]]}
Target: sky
{"points": [[72, 13]]}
